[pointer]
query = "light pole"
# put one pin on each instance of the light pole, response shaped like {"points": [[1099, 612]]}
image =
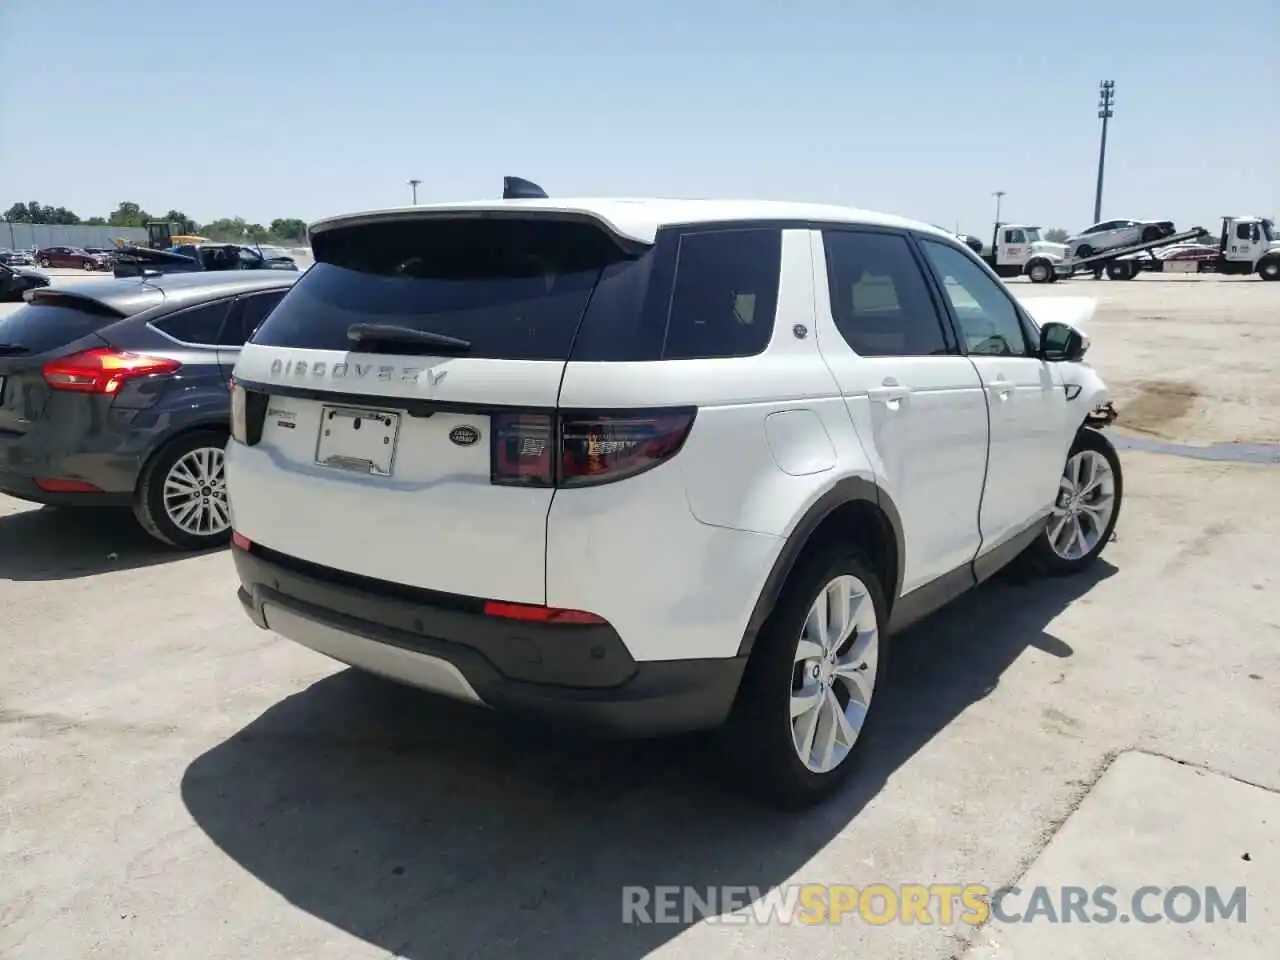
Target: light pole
{"points": [[999, 195], [1106, 101], [413, 185]]}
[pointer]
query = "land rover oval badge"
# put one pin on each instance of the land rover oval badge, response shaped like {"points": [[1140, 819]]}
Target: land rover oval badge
{"points": [[464, 436]]}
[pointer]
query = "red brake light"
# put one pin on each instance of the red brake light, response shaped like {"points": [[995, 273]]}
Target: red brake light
{"points": [[602, 449], [583, 449], [530, 613], [103, 370], [522, 446]]}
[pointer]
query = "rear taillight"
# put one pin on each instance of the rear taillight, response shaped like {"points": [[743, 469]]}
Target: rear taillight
{"points": [[583, 449], [103, 370], [248, 412]]}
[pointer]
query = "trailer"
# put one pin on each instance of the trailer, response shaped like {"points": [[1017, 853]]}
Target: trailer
{"points": [[1118, 263], [1246, 245]]}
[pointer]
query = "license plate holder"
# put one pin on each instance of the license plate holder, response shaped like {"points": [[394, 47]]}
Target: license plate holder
{"points": [[358, 440]]}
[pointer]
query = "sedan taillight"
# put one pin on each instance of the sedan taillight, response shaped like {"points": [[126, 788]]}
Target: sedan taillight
{"points": [[103, 370]]}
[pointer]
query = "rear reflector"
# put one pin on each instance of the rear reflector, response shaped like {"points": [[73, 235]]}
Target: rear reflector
{"points": [[103, 370], [65, 485], [530, 613], [240, 541]]}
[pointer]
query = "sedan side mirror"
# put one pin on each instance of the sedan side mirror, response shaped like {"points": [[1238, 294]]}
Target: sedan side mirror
{"points": [[1062, 343]]}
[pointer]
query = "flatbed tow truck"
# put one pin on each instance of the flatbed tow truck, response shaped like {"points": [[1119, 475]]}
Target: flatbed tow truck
{"points": [[1246, 245]]}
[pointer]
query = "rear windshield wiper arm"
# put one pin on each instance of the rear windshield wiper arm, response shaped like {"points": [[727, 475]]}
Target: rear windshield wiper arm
{"points": [[9, 349], [390, 333]]}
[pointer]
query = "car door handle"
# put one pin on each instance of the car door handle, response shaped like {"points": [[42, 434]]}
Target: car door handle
{"points": [[1001, 386], [890, 391]]}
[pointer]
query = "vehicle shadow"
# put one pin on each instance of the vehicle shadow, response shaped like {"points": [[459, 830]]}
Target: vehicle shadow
{"points": [[47, 543], [432, 830]]}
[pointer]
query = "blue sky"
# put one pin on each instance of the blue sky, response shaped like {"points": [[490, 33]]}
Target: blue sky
{"points": [[311, 107]]}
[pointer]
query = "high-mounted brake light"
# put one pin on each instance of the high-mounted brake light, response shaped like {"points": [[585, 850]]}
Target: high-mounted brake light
{"points": [[103, 370], [583, 449]]}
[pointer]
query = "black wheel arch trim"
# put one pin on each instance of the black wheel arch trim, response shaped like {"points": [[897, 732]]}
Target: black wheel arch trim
{"points": [[848, 490]]}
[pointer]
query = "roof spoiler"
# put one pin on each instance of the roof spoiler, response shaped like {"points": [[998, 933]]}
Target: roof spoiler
{"points": [[518, 188]]}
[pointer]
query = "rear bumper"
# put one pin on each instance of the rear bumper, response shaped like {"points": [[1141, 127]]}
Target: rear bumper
{"points": [[24, 487], [443, 643]]}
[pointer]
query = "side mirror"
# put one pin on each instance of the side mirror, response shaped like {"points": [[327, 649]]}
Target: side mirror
{"points": [[1063, 343]]}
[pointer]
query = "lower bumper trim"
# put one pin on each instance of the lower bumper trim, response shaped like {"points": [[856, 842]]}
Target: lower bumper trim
{"points": [[395, 663], [661, 697]]}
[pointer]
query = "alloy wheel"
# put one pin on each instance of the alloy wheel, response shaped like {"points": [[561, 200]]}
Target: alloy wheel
{"points": [[1086, 502], [195, 493], [834, 673]]}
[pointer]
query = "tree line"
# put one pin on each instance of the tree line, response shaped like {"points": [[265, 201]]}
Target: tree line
{"points": [[227, 230]]}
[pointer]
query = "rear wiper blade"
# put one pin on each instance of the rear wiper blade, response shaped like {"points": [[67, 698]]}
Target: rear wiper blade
{"points": [[10, 349], [391, 333]]}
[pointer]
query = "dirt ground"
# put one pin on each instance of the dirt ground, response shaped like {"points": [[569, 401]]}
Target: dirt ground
{"points": [[1189, 359]]}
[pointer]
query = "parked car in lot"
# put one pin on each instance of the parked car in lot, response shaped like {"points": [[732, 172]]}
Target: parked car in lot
{"points": [[114, 392], [71, 257], [15, 281], [16, 258], [1111, 234], [656, 466], [196, 257]]}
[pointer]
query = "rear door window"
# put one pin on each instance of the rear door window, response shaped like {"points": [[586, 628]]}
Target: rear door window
{"points": [[512, 288], [879, 297], [40, 327]]}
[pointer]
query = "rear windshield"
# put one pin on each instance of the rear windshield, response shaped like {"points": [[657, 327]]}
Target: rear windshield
{"points": [[540, 289], [36, 328], [513, 288]]}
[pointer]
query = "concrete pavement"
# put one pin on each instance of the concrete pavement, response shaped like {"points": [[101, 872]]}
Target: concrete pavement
{"points": [[175, 782]]}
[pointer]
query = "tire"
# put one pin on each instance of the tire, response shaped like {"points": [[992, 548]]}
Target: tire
{"points": [[760, 734], [1152, 233], [1040, 271], [1269, 268], [158, 519], [1084, 250], [87, 266], [1119, 270], [43, 263], [1090, 447]]}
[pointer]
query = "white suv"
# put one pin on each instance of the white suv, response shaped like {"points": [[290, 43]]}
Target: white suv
{"points": [[654, 465]]}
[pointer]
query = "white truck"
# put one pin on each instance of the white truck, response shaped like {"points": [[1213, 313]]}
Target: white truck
{"points": [[1246, 245]]}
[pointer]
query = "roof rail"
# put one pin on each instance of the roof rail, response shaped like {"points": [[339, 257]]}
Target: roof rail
{"points": [[518, 188]]}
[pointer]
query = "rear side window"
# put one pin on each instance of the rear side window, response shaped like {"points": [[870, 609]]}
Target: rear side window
{"points": [[37, 328], [725, 294], [513, 288], [202, 325], [879, 297]]}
